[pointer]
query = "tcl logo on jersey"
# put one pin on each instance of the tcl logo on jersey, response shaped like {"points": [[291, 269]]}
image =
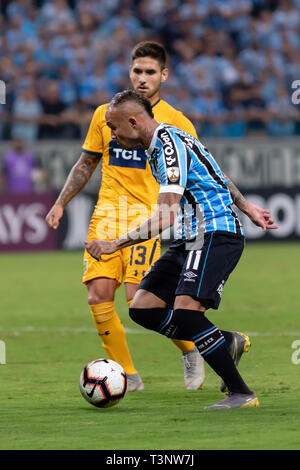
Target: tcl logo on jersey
{"points": [[126, 158]]}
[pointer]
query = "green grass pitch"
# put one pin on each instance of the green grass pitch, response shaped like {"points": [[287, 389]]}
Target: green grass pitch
{"points": [[50, 336]]}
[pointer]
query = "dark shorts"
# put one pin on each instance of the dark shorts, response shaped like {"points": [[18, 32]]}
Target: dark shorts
{"points": [[200, 274]]}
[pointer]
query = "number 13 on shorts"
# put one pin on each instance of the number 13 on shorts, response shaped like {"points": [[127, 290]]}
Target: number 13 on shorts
{"points": [[140, 258]]}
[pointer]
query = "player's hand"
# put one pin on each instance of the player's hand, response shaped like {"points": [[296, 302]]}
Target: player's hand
{"points": [[96, 248], [54, 215], [260, 217]]}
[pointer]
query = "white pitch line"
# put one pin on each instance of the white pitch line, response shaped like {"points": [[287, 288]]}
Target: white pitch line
{"points": [[265, 333], [64, 329], [132, 331]]}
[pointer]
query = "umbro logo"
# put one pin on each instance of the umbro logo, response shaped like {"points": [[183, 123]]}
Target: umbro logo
{"points": [[190, 276]]}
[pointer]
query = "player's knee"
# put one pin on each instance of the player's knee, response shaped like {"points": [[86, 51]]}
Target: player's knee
{"points": [[101, 291], [146, 300], [134, 303], [98, 296]]}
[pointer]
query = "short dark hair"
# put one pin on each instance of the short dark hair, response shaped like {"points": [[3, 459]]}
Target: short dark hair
{"points": [[130, 95], [152, 49]]}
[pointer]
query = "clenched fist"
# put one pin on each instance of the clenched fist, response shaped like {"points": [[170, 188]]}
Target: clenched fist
{"points": [[96, 248], [54, 215]]}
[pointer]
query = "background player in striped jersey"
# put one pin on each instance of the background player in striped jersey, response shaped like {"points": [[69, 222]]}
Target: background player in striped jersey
{"points": [[199, 263], [126, 183]]}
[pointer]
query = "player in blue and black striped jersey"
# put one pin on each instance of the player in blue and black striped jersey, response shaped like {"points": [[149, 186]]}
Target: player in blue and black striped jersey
{"points": [[180, 162], [189, 278]]}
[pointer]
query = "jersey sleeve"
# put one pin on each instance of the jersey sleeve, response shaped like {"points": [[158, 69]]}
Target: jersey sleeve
{"points": [[94, 141], [172, 163], [181, 121]]}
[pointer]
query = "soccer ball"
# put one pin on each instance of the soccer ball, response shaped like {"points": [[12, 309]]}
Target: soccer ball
{"points": [[103, 383]]}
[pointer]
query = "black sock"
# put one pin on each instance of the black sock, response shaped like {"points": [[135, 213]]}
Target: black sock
{"points": [[193, 325], [228, 336]]}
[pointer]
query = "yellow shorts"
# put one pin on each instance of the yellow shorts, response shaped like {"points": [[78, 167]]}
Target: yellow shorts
{"points": [[127, 265]]}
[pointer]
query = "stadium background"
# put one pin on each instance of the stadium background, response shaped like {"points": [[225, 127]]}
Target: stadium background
{"points": [[233, 65]]}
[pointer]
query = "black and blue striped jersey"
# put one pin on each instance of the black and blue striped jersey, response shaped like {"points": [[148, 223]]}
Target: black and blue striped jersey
{"points": [[182, 165]]}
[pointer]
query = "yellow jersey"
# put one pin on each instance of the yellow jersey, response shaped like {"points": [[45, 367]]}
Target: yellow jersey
{"points": [[128, 190]]}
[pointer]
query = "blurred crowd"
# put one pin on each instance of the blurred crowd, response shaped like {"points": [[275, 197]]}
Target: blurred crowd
{"points": [[232, 62]]}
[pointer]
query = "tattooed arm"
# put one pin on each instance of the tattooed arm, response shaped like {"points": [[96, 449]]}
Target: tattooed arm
{"points": [[236, 195], [77, 179], [163, 217], [260, 217]]}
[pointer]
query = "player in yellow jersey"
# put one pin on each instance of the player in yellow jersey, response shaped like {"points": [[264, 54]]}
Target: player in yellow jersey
{"points": [[127, 194]]}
